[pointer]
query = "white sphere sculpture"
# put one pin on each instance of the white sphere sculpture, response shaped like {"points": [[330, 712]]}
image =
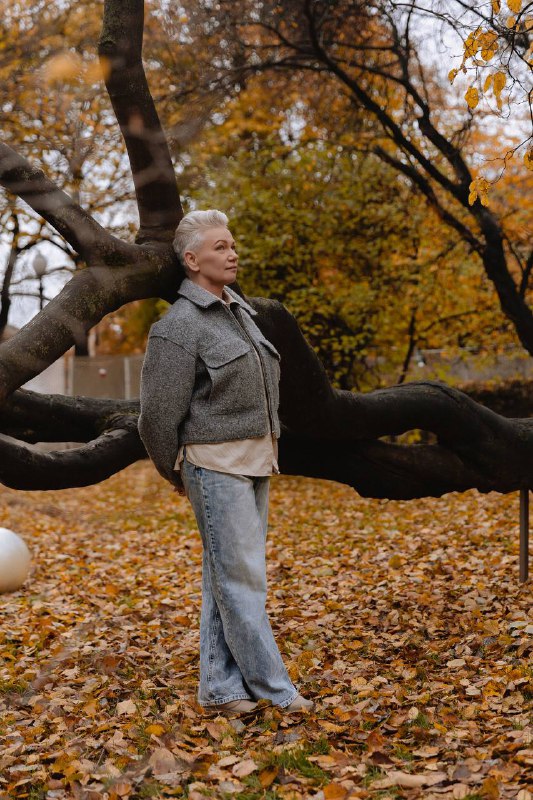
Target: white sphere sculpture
{"points": [[14, 561]]}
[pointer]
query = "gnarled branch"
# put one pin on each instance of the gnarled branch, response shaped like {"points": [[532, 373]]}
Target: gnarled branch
{"points": [[23, 467], [87, 297], [120, 49]]}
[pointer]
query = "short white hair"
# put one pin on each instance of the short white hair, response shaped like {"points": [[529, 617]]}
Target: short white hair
{"points": [[189, 233]]}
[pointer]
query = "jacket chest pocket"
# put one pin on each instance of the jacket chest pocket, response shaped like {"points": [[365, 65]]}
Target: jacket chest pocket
{"points": [[273, 357], [228, 363]]}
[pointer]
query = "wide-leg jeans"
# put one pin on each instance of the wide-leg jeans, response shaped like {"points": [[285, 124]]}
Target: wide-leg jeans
{"points": [[239, 657]]}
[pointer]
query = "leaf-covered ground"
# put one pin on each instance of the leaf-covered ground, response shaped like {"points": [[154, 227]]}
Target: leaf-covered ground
{"points": [[404, 620]]}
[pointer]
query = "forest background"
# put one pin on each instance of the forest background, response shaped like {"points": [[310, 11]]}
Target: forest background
{"points": [[368, 267]]}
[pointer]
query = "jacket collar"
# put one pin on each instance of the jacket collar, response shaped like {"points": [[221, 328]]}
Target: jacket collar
{"points": [[204, 298]]}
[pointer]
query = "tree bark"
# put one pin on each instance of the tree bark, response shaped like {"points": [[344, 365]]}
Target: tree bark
{"points": [[120, 50]]}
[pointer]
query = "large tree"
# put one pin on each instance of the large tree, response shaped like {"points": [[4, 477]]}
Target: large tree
{"points": [[326, 433]]}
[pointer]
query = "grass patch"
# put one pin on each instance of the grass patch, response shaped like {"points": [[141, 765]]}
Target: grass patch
{"points": [[37, 792], [421, 721], [296, 760], [19, 687], [403, 753], [373, 774], [147, 789]]}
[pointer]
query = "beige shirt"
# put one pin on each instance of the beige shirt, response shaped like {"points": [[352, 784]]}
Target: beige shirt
{"points": [[256, 456]]}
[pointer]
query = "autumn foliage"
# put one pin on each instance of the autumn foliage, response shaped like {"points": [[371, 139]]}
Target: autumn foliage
{"points": [[404, 621]]}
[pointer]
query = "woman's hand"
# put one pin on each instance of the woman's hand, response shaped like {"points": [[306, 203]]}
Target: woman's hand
{"points": [[177, 483]]}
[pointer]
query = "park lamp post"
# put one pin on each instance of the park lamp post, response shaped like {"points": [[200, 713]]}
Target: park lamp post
{"points": [[39, 267]]}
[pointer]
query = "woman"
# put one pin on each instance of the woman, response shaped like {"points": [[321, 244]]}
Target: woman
{"points": [[209, 421]]}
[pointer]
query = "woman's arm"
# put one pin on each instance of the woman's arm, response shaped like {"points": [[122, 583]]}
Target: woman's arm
{"points": [[167, 383]]}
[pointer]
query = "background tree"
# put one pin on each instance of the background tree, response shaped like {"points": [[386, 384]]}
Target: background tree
{"points": [[377, 277], [374, 53], [326, 432]]}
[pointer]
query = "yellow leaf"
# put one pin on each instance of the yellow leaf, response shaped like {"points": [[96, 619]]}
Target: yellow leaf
{"points": [[293, 670], [528, 158], [500, 80], [452, 75], [471, 44], [488, 81], [472, 97], [395, 562], [510, 22], [515, 6], [156, 728], [496, 6], [488, 53]]}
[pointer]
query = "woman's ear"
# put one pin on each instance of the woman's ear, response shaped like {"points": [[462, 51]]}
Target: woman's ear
{"points": [[189, 257]]}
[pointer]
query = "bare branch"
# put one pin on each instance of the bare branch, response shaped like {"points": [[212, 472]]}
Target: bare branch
{"points": [[423, 184]]}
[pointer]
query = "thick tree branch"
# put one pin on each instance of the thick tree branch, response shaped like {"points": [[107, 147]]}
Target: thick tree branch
{"points": [[35, 417], [474, 433], [80, 230], [475, 446], [23, 467], [120, 49], [90, 295]]}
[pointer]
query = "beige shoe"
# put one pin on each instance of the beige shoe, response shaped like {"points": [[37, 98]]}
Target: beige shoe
{"points": [[299, 704], [233, 706]]}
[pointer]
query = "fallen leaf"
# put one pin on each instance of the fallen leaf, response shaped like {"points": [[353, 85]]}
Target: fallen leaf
{"points": [[126, 707], [409, 780], [268, 776], [162, 761], [244, 768], [334, 791]]}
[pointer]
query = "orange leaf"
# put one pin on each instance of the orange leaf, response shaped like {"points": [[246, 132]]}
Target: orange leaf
{"points": [[334, 791], [268, 776]]}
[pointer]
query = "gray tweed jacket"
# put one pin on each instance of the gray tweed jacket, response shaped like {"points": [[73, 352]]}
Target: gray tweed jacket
{"points": [[200, 380]]}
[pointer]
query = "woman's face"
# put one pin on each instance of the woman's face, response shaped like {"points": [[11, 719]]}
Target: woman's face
{"points": [[215, 262]]}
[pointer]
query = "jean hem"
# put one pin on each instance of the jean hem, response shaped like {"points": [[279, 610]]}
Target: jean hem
{"points": [[227, 699], [286, 703]]}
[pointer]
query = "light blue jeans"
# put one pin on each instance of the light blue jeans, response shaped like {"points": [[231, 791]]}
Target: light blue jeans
{"points": [[239, 658]]}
